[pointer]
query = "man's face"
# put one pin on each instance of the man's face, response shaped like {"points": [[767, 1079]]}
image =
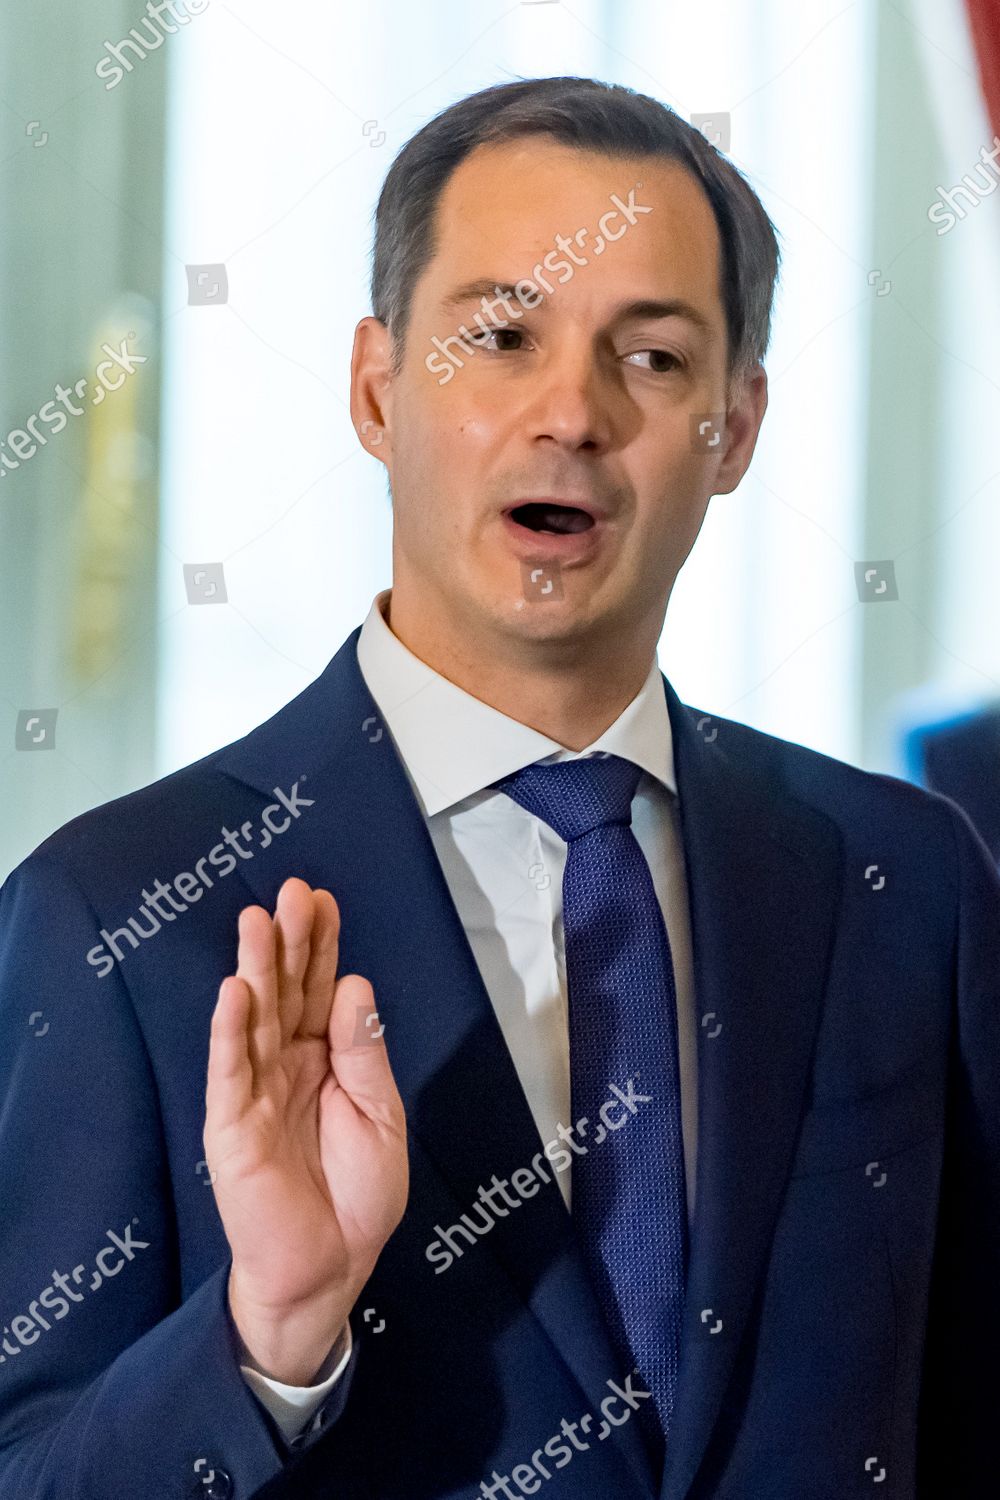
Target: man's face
{"points": [[583, 398]]}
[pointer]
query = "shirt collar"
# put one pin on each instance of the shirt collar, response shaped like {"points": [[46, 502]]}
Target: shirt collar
{"points": [[453, 744]]}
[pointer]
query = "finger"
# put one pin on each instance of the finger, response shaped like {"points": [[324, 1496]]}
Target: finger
{"points": [[358, 1055], [293, 924], [320, 977], [256, 964], [229, 1088]]}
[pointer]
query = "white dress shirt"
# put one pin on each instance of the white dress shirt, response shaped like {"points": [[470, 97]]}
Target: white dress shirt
{"points": [[504, 868]]}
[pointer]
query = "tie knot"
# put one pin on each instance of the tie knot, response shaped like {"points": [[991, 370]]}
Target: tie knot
{"points": [[576, 796]]}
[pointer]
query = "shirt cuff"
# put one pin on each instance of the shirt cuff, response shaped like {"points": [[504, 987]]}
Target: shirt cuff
{"points": [[292, 1406]]}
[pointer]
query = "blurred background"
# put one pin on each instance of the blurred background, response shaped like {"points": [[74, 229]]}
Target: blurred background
{"points": [[189, 526]]}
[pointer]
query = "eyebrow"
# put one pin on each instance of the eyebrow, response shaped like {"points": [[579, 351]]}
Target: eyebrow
{"points": [[645, 308]]}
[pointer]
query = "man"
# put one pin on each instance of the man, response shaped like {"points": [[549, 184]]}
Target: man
{"points": [[648, 1142]]}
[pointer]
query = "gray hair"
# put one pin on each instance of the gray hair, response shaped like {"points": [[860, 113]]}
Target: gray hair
{"points": [[593, 116]]}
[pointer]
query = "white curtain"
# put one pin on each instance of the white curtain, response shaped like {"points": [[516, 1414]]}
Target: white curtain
{"points": [[965, 666]]}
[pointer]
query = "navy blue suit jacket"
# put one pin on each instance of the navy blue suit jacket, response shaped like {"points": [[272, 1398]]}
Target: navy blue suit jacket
{"points": [[842, 1329]]}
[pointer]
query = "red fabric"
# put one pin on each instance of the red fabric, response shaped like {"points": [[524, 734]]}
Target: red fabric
{"points": [[984, 16]]}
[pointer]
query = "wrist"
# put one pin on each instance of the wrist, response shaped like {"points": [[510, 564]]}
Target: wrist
{"points": [[290, 1344]]}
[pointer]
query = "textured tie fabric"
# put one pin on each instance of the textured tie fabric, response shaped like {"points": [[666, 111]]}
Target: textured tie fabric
{"points": [[629, 1202]]}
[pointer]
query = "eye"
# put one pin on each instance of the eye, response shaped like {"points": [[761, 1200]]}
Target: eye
{"points": [[659, 354], [479, 339]]}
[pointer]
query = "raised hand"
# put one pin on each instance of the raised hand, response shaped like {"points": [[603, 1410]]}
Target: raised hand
{"points": [[305, 1133]]}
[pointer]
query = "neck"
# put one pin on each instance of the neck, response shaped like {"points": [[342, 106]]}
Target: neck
{"points": [[572, 700]]}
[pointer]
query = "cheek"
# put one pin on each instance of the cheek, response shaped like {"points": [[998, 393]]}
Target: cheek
{"points": [[676, 489], [473, 430], [663, 466], [446, 433], [462, 411]]}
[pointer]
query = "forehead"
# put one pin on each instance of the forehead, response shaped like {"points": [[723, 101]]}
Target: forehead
{"points": [[502, 207]]}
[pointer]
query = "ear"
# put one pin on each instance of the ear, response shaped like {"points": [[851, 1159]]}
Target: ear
{"points": [[743, 419], [371, 387]]}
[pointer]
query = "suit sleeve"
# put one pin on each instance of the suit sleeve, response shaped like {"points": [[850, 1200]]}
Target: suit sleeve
{"points": [[297, 1408], [960, 1394], [111, 1384]]}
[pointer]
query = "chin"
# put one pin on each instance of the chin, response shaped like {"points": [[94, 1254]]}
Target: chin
{"points": [[554, 619]]}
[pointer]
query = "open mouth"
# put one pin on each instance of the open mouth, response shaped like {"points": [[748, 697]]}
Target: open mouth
{"points": [[535, 515]]}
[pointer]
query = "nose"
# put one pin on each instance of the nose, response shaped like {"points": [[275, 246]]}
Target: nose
{"points": [[571, 399]]}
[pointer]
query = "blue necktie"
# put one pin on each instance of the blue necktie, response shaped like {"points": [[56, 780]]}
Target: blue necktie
{"points": [[629, 1202]]}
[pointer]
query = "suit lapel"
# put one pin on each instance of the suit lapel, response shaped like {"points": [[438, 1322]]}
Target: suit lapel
{"points": [[763, 873], [762, 887]]}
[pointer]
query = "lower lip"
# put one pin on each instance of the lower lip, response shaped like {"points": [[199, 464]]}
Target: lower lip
{"points": [[565, 546]]}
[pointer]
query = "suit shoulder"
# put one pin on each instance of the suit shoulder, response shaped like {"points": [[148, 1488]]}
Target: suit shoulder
{"points": [[836, 787]]}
